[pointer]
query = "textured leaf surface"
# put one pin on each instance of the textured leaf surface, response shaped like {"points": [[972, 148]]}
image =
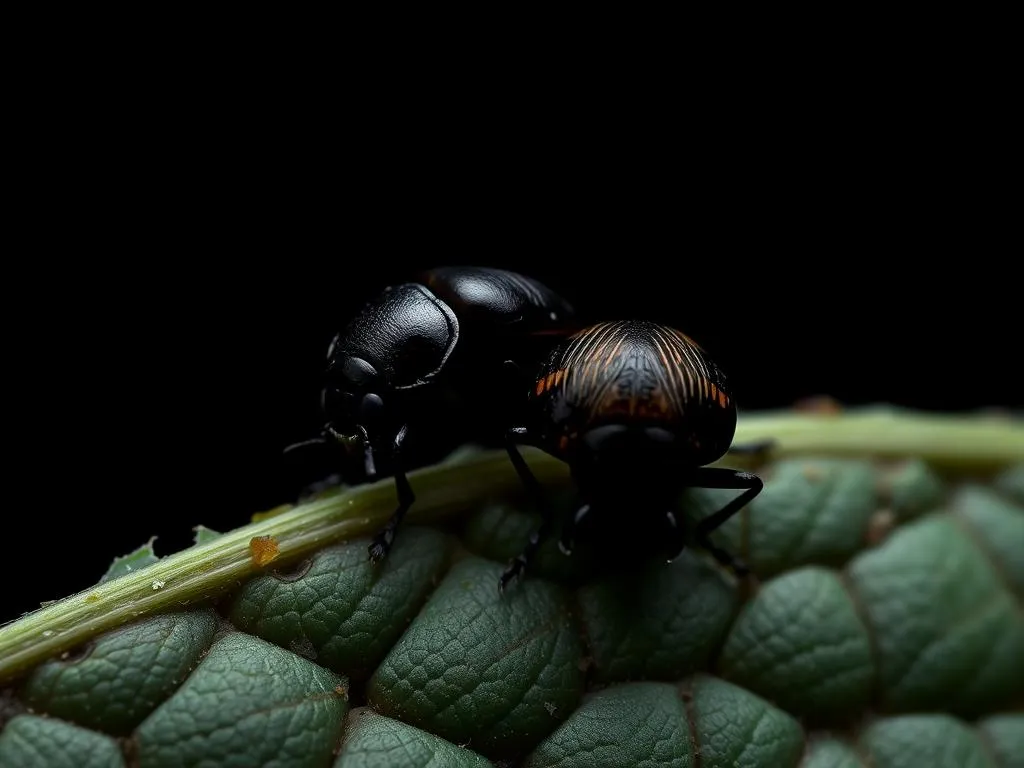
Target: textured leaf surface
{"points": [[997, 527], [1004, 736], [830, 753], [499, 671], [248, 703], [734, 727], [660, 623], [37, 742], [800, 643], [113, 684], [339, 610], [937, 741], [912, 488], [499, 529], [373, 741], [638, 725], [810, 512], [1011, 483], [945, 626], [884, 628]]}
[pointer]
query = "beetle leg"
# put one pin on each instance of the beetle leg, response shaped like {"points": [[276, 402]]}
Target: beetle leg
{"points": [[567, 540], [720, 477], [521, 561], [675, 539], [513, 378], [382, 541]]}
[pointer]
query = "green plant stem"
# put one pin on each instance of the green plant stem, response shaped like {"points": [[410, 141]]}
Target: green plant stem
{"points": [[956, 443], [970, 443]]}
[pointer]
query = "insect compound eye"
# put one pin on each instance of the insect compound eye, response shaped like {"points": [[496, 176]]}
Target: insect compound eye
{"points": [[370, 408]]}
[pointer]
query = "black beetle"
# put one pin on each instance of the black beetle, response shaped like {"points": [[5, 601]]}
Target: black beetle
{"points": [[636, 409], [431, 359]]}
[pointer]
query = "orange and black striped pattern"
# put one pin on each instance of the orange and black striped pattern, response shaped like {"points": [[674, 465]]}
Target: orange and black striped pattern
{"points": [[633, 370]]}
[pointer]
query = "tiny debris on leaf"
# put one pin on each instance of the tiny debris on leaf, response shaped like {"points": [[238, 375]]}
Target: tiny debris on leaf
{"points": [[812, 473], [157, 584], [879, 526], [822, 405], [264, 549]]}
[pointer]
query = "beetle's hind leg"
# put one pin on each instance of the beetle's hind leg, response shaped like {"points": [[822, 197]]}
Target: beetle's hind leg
{"points": [[385, 538], [567, 541], [523, 559], [674, 538], [719, 477]]}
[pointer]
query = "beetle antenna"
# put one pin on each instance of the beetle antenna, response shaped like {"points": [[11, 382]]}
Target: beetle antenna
{"points": [[327, 434], [369, 465], [305, 444]]}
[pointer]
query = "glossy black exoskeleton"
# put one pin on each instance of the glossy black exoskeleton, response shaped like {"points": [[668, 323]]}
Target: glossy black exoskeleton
{"points": [[430, 360], [637, 410]]}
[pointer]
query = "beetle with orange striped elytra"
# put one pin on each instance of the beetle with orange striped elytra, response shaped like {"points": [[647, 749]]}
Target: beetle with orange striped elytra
{"points": [[637, 410]]}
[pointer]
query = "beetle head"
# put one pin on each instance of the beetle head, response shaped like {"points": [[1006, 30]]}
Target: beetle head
{"points": [[352, 405]]}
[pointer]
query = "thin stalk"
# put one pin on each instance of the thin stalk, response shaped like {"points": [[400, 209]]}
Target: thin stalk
{"points": [[950, 442], [970, 443]]}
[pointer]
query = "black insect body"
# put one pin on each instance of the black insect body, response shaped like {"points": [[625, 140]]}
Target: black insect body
{"points": [[430, 360], [636, 410]]}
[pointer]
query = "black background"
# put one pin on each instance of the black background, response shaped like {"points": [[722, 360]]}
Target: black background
{"points": [[165, 359]]}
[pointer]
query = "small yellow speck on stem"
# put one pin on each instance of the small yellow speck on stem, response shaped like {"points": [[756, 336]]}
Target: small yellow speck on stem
{"points": [[263, 549]]}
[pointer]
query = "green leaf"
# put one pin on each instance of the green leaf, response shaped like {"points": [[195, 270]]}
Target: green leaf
{"points": [[936, 741], [945, 628], [1011, 483], [501, 528], [661, 623], [499, 671], [113, 683], [247, 703], [883, 624], [38, 742], [811, 512], [998, 528], [134, 561], [637, 725], [204, 534], [340, 610], [800, 643], [830, 753], [1004, 737], [734, 727], [373, 741], [912, 488]]}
